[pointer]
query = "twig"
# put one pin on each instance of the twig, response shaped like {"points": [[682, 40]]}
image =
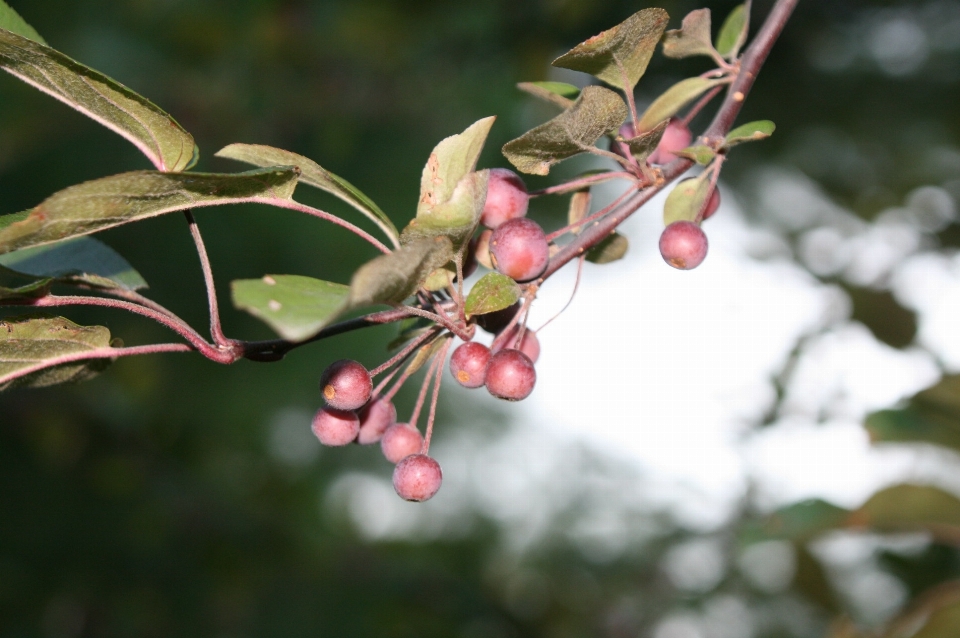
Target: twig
{"points": [[216, 329]]}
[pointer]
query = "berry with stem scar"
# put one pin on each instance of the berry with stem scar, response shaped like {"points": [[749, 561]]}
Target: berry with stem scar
{"points": [[468, 364], [683, 245], [346, 385], [510, 375]]}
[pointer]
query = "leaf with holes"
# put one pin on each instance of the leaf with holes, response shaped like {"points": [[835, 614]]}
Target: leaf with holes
{"points": [[11, 21], [687, 200], [389, 279], [491, 293], [692, 38], [557, 93], [749, 132], [82, 260], [733, 33], [612, 248], [296, 307], [674, 99]]}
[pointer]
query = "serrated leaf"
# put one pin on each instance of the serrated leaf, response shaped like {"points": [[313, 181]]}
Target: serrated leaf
{"points": [[389, 279], [11, 21], [450, 161], [595, 113], [749, 132], [492, 292], [579, 208], [119, 199], [80, 260], [296, 307], [700, 154], [456, 218], [558, 93], [150, 129], [646, 143], [687, 200], [911, 507], [674, 99], [30, 346], [621, 52], [312, 174], [613, 248], [932, 416], [692, 38], [733, 33]]}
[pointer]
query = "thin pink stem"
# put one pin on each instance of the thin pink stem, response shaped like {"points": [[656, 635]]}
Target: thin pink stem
{"points": [[438, 377], [578, 184], [573, 293], [316, 212], [440, 319], [400, 356], [583, 222], [216, 329], [701, 103], [423, 392]]}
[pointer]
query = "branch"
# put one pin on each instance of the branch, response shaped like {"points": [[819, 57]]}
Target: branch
{"points": [[216, 330]]}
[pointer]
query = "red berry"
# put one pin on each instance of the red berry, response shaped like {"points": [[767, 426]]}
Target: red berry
{"points": [[506, 198], [375, 418], [683, 245], [519, 249], [468, 364], [676, 137], [510, 375], [335, 427], [400, 441], [417, 478], [529, 344], [712, 204], [346, 385]]}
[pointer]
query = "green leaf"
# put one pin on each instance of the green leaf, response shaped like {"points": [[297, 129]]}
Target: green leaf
{"points": [[455, 218], [932, 416], [34, 289], [30, 347], [933, 614], [12, 218], [296, 307], [622, 52], [426, 353], [749, 132], [409, 329], [558, 93], [312, 174], [798, 522], [491, 293], [154, 132], [119, 199], [389, 279], [674, 99], [644, 144], [700, 154], [692, 38], [687, 200], [733, 33], [80, 260], [596, 112], [612, 248], [579, 208], [451, 160], [911, 507], [11, 21]]}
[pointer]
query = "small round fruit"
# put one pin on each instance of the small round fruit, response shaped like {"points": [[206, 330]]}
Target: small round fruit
{"points": [[346, 385], [375, 418], [468, 364], [507, 198], [519, 249], [529, 344], [400, 441], [712, 204], [675, 138], [417, 478], [494, 322], [510, 375], [335, 427], [683, 245]]}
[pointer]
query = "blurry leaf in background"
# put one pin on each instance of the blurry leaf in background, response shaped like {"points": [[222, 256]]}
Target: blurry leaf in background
{"points": [[674, 99], [932, 416], [82, 260]]}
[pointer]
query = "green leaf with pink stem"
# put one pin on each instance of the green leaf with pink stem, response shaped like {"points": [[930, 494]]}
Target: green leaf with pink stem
{"points": [[11, 21], [157, 135], [674, 99], [296, 307], [389, 279], [692, 38], [120, 199], [457, 217], [733, 33], [492, 292], [450, 161], [749, 132], [557, 93], [687, 199]]}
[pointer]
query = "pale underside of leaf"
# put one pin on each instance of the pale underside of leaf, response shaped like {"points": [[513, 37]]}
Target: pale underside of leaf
{"points": [[389, 279], [150, 129], [80, 260], [674, 99], [595, 113], [314, 175], [457, 217], [557, 93], [687, 200], [692, 38], [296, 307], [619, 56], [578, 209], [492, 292], [613, 248], [449, 162], [11, 21], [119, 199]]}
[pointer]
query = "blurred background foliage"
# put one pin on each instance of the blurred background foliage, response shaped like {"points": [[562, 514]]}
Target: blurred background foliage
{"points": [[172, 496]]}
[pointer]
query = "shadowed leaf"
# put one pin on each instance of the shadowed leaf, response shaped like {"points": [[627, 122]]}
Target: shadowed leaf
{"points": [[687, 199], [692, 38], [733, 33], [932, 416], [80, 260], [798, 522], [579, 209], [558, 93], [424, 354], [644, 144], [18, 290], [389, 279], [491, 293], [11, 21], [674, 99], [296, 307], [154, 132], [749, 132], [612, 248], [911, 508]]}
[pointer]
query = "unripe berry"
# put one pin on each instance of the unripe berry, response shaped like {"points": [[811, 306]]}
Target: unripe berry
{"points": [[375, 418], [519, 249], [529, 344], [346, 385], [335, 427], [417, 478], [400, 441], [712, 204], [675, 138], [468, 364], [683, 245], [510, 375], [494, 322], [506, 198]]}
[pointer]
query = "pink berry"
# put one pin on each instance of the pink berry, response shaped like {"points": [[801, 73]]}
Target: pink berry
{"points": [[468, 364], [375, 418], [519, 249], [676, 137], [529, 344], [400, 441], [712, 204], [417, 478], [506, 198], [346, 385], [335, 427], [683, 245], [510, 375]]}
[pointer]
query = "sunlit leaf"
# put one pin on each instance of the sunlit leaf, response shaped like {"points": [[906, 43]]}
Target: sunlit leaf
{"points": [[449, 162], [579, 208], [687, 200], [700, 154], [622, 52], [674, 99], [457, 217], [733, 33], [296, 307], [612, 248], [389, 279], [558, 93], [11, 21], [80, 260], [12, 218], [643, 145], [932, 416], [749, 132], [120, 199], [31, 347], [154, 132], [596, 112], [491, 293], [692, 38], [314, 175]]}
